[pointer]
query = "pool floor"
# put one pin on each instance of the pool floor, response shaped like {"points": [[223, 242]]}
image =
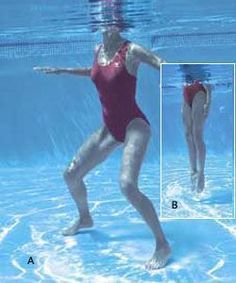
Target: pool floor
{"points": [[216, 201], [36, 206]]}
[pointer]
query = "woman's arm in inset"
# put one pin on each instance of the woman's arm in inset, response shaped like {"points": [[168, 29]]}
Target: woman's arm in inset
{"points": [[208, 88]]}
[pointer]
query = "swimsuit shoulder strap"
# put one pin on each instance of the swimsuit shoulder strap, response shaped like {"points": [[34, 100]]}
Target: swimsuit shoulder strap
{"points": [[124, 48], [98, 50]]}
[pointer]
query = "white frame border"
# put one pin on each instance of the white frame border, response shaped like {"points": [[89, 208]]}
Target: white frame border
{"points": [[234, 124]]}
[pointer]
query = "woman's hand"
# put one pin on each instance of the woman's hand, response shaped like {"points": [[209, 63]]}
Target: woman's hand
{"points": [[206, 107], [48, 70], [208, 87]]}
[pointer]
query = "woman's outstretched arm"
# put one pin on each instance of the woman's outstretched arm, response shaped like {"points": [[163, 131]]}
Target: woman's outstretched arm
{"points": [[72, 71], [146, 56]]}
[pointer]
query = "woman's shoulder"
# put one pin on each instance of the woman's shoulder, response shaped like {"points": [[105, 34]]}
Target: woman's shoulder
{"points": [[138, 49], [133, 46], [133, 49]]}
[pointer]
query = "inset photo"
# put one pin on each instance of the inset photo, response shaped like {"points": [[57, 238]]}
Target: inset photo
{"points": [[197, 141]]}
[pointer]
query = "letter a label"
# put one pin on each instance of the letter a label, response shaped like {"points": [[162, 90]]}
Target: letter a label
{"points": [[30, 260]]}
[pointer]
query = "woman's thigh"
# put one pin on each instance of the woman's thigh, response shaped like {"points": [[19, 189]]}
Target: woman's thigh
{"points": [[187, 118], [198, 115], [92, 152], [138, 133]]}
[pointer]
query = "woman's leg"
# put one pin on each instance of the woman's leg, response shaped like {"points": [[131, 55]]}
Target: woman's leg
{"points": [[198, 117], [91, 153], [188, 127], [136, 140]]}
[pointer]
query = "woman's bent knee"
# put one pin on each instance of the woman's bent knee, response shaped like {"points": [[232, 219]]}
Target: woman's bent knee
{"points": [[67, 176], [71, 173], [128, 187]]}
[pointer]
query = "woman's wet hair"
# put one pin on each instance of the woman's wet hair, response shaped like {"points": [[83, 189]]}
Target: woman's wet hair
{"points": [[107, 14], [194, 72], [188, 78]]}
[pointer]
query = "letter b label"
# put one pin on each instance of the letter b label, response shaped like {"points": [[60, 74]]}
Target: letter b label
{"points": [[174, 204]]}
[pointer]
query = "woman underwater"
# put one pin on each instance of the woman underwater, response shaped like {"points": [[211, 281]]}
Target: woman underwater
{"points": [[114, 74], [195, 109]]}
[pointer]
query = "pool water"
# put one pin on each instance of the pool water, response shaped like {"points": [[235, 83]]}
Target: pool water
{"points": [[45, 118]]}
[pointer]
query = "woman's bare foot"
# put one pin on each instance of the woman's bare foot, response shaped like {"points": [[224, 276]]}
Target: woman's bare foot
{"points": [[200, 182], [159, 258], [79, 224], [194, 175]]}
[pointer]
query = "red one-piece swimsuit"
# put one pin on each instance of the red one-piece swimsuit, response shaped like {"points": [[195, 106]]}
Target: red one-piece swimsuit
{"points": [[190, 91], [117, 89]]}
